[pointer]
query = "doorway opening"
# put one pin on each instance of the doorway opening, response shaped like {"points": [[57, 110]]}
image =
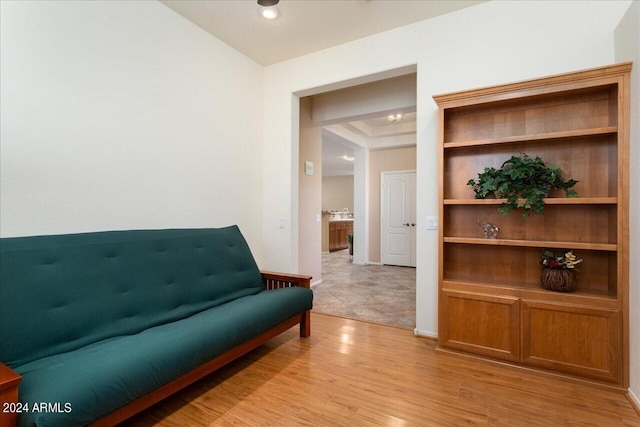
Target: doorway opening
{"points": [[367, 130]]}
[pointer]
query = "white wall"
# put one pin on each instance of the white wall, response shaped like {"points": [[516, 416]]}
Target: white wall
{"points": [[627, 43], [491, 43], [119, 115], [337, 193], [310, 187]]}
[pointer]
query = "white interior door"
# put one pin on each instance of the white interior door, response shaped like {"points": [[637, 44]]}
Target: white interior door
{"points": [[398, 219]]}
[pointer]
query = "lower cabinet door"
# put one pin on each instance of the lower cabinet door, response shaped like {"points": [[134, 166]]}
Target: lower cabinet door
{"points": [[572, 339], [486, 325]]}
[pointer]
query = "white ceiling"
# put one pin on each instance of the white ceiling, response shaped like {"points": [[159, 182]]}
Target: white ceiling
{"points": [[382, 127], [338, 144], [305, 26], [337, 155]]}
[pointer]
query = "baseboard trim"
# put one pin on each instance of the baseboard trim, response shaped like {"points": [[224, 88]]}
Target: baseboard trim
{"points": [[317, 282], [602, 385], [634, 400], [425, 334]]}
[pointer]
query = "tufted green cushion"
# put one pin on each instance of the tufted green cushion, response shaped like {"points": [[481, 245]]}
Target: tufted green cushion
{"points": [[61, 293], [101, 377]]}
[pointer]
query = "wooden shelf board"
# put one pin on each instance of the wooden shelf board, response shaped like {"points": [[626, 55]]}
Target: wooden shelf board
{"points": [[529, 288], [609, 130], [612, 247], [548, 201]]}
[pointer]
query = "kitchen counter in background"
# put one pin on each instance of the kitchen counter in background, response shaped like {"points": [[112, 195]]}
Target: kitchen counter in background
{"points": [[335, 227]]}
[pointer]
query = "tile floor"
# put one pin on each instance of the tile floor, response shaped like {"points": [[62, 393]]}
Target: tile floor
{"points": [[375, 293]]}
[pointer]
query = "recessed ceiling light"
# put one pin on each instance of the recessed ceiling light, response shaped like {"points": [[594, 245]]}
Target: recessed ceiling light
{"points": [[268, 9], [395, 117], [269, 12]]}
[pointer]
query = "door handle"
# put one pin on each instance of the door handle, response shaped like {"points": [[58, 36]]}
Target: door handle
{"points": [[406, 225], [413, 224]]}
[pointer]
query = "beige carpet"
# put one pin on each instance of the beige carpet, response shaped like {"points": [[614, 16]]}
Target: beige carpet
{"points": [[375, 293]]}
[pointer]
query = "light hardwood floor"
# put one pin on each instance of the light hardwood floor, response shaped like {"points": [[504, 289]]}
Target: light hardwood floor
{"points": [[351, 373]]}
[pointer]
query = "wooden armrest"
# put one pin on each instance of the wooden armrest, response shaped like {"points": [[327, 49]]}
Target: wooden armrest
{"points": [[283, 280], [8, 377], [9, 381]]}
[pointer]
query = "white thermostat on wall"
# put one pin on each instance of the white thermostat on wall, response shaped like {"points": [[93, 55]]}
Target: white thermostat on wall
{"points": [[308, 168]]}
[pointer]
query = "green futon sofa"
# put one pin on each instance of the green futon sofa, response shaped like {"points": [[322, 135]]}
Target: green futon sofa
{"points": [[95, 327]]}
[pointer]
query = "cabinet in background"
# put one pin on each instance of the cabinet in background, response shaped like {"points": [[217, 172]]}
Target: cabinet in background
{"points": [[338, 231]]}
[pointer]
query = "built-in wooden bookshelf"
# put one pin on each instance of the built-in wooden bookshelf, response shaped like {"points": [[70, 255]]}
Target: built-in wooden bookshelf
{"points": [[490, 299]]}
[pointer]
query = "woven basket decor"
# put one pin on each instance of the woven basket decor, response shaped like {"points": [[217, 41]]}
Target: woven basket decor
{"points": [[558, 279]]}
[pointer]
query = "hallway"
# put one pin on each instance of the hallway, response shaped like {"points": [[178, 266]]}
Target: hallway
{"points": [[375, 293]]}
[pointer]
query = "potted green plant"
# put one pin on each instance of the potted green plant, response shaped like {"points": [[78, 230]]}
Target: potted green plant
{"points": [[524, 183]]}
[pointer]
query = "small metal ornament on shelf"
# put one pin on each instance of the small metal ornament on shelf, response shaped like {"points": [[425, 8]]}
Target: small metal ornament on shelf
{"points": [[489, 231]]}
